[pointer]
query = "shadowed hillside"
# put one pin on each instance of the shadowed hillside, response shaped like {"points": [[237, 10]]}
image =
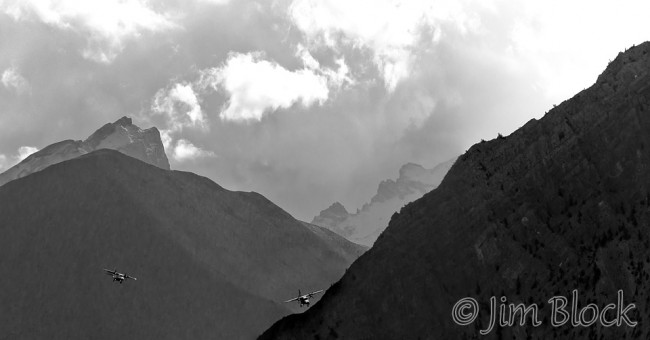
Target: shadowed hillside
{"points": [[210, 263], [562, 203]]}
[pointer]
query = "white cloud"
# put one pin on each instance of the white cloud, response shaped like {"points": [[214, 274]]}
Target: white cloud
{"points": [[185, 150], [108, 22], [216, 2], [392, 29], [7, 161], [4, 163], [569, 46], [306, 57], [256, 86], [336, 78], [25, 151], [181, 106], [166, 138], [12, 79]]}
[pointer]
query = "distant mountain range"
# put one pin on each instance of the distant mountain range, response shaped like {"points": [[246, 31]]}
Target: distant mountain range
{"points": [[122, 136], [364, 226], [210, 263], [561, 204]]}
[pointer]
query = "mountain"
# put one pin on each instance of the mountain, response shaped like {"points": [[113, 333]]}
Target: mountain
{"points": [[210, 263], [364, 226], [122, 136], [561, 204]]}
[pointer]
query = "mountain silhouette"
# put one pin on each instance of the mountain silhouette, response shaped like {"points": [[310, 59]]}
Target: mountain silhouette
{"points": [[561, 204], [121, 135], [210, 263]]}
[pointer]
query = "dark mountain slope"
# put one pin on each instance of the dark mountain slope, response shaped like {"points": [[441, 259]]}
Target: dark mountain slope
{"points": [[210, 263], [563, 203]]}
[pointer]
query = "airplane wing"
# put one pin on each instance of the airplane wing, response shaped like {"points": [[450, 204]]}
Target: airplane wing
{"points": [[294, 299], [110, 272], [130, 277], [316, 292]]}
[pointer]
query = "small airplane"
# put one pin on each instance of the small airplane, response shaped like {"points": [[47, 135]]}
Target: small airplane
{"points": [[118, 276], [304, 299]]}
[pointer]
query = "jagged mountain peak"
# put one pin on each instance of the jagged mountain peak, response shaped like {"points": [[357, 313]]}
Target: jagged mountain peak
{"points": [[124, 121], [337, 208], [122, 135], [411, 169], [364, 226]]}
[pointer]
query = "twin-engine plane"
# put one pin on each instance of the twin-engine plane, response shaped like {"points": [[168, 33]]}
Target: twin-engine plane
{"points": [[304, 299], [119, 277]]}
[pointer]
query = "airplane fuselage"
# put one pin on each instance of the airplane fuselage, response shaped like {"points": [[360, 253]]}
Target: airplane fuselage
{"points": [[119, 277]]}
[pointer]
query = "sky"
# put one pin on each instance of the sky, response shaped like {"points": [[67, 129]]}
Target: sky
{"points": [[307, 102]]}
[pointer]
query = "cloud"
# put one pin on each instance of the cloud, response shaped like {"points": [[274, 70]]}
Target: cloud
{"points": [[215, 2], [256, 86], [7, 161], [336, 78], [11, 79], [569, 47], [184, 150], [25, 151], [107, 23], [4, 163], [166, 138], [392, 32], [181, 106]]}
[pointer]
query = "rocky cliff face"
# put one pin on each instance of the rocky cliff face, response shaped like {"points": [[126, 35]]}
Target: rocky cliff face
{"points": [[364, 226], [561, 204], [122, 136]]}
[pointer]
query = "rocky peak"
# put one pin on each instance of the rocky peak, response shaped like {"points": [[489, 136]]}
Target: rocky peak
{"points": [[411, 170], [336, 209], [367, 223], [121, 135], [333, 215], [124, 121]]}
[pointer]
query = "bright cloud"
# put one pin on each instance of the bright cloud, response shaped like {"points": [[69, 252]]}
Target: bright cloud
{"points": [[569, 47], [181, 106], [4, 163], [25, 151], [7, 161], [216, 2], [336, 78], [166, 138], [108, 22], [11, 79], [185, 150], [256, 86], [392, 31]]}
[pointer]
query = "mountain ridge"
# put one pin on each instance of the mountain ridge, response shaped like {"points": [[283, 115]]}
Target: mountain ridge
{"points": [[560, 204], [210, 262], [364, 226], [121, 135]]}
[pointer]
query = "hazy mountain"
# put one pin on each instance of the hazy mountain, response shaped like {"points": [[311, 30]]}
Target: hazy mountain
{"points": [[562, 203], [210, 263], [122, 136], [364, 226]]}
